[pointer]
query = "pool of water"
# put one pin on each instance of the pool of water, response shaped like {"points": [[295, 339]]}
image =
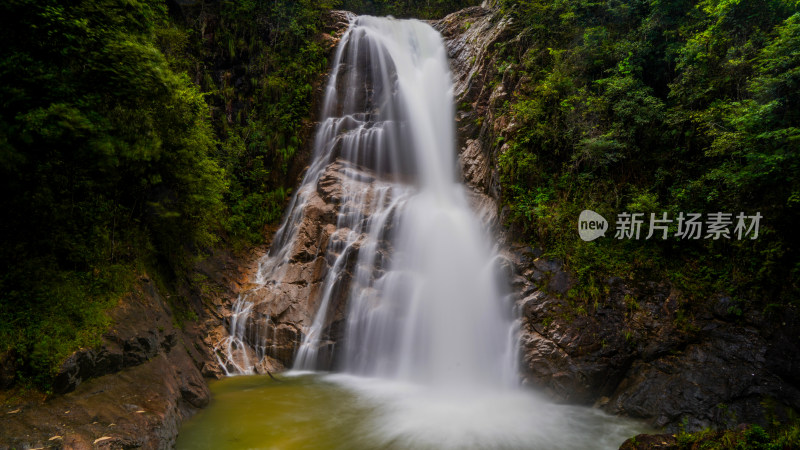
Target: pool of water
{"points": [[316, 411]]}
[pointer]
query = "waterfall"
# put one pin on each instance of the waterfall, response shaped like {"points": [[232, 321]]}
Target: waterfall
{"points": [[392, 281], [416, 268]]}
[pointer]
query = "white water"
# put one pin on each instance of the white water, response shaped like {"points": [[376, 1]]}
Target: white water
{"points": [[434, 314], [426, 320]]}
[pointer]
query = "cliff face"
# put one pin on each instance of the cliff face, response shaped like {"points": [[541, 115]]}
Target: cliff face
{"points": [[271, 333], [132, 391], [634, 354], [281, 312]]}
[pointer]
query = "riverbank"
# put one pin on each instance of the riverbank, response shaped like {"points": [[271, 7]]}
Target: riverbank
{"points": [[144, 380]]}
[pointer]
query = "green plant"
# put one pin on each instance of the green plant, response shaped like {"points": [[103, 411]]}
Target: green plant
{"points": [[660, 108]]}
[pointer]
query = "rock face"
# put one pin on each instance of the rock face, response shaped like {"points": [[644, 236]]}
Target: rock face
{"points": [[133, 391], [637, 352], [281, 311], [143, 328], [470, 35], [262, 330]]}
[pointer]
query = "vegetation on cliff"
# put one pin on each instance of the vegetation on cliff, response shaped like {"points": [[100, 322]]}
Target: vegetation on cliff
{"points": [[652, 107], [750, 437], [108, 157]]}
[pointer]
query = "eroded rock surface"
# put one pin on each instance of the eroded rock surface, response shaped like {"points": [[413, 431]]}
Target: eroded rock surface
{"points": [[284, 305]]}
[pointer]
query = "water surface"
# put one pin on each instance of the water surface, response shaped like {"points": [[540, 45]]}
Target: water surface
{"points": [[313, 411]]}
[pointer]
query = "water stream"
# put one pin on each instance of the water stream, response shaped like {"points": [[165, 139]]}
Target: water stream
{"points": [[427, 357]]}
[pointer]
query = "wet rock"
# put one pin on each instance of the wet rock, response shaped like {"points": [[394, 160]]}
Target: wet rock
{"points": [[195, 391], [211, 369], [268, 366], [139, 349], [77, 367], [108, 359], [281, 312], [726, 370], [628, 351], [475, 168], [336, 22]]}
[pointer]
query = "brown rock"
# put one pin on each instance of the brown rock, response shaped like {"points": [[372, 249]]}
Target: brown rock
{"points": [[167, 385]]}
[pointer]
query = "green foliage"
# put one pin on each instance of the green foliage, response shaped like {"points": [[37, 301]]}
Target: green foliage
{"points": [[657, 107], [135, 134], [752, 437], [107, 159], [257, 65]]}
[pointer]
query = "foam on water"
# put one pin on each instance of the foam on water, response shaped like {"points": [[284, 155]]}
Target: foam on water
{"points": [[343, 411]]}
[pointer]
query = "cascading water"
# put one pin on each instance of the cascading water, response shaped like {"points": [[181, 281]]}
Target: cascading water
{"points": [[428, 341], [431, 312], [422, 293]]}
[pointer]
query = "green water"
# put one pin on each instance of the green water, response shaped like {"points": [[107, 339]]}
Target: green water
{"points": [[346, 412], [256, 412]]}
